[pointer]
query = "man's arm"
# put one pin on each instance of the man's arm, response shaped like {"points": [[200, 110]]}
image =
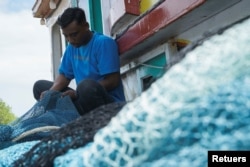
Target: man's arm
{"points": [[60, 83], [111, 81]]}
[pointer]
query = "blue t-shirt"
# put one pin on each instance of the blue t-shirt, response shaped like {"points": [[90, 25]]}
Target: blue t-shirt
{"points": [[93, 61]]}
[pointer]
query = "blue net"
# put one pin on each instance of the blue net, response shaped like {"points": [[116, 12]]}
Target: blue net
{"points": [[14, 152], [75, 134], [52, 111]]}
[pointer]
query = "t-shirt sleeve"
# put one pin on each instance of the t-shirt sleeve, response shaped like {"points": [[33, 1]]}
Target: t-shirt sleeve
{"points": [[66, 64], [109, 60]]}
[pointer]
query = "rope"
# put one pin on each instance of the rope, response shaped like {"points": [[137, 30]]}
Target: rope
{"points": [[35, 130]]}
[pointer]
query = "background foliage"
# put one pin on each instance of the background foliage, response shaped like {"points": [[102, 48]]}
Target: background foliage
{"points": [[6, 115]]}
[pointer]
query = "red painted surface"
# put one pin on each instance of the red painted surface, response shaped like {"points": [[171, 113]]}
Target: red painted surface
{"points": [[132, 6], [160, 17]]}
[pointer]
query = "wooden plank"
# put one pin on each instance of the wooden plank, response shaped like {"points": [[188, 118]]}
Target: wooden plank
{"points": [[167, 20]]}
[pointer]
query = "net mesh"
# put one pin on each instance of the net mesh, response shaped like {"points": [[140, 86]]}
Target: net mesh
{"points": [[52, 110], [75, 134]]}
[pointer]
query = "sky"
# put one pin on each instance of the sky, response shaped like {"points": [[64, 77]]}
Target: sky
{"points": [[24, 54]]}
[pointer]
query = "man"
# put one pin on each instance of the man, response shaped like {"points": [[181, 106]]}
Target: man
{"points": [[91, 59]]}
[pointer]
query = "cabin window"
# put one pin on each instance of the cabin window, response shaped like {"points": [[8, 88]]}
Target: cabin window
{"points": [[147, 81], [151, 70]]}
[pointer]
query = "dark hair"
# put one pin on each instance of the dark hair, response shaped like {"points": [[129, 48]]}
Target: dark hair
{"points": [[71, 14]]}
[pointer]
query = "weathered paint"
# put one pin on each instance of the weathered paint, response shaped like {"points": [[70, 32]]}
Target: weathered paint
{"points": [[41, 9], [132, 7], [167, 12], [121, 13]]}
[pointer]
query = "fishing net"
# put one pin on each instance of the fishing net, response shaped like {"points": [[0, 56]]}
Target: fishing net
{"points": [[45, 116], [14, 152], [202, 103], [73, 135]]}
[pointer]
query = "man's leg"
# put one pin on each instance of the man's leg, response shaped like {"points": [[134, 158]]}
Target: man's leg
{"points": [[90, 95], [43, 85]]}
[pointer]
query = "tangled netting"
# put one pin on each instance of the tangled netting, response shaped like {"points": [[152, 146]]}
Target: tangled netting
{"points": [[45, 116], [74, 135], [202, 103]]}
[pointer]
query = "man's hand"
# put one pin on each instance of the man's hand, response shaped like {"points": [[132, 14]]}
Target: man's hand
{"points": [[70, 93], [42, 94]]}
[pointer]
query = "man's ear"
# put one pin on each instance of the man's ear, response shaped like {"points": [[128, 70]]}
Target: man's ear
{"points": [[85, 24]]}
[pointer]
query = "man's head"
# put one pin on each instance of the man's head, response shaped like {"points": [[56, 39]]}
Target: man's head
{"points": [[74, 26]]}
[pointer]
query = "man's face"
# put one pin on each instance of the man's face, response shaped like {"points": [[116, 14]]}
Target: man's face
{"points": [[76, 34]]}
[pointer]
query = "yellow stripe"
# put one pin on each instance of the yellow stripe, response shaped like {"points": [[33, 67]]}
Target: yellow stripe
{"points": [[146, 4]]}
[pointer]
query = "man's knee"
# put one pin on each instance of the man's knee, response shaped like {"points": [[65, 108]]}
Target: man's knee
{"points": [[40, 86]]}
